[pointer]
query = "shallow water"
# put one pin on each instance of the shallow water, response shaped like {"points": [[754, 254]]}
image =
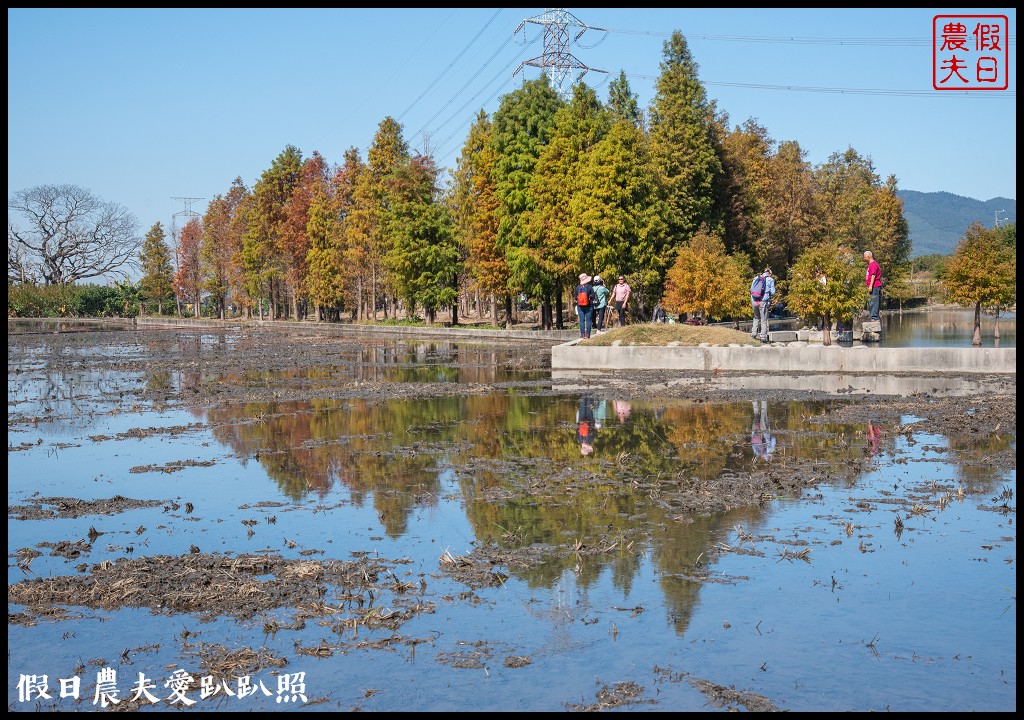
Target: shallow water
{"points": [[946, 328], [816, 602]]}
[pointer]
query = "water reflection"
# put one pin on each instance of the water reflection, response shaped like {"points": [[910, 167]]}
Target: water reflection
{"points": [[401, 446], [946, 328], [761, 438], [33, 326], [586, 425], [874, 435], [976, 459], [838, 384]]}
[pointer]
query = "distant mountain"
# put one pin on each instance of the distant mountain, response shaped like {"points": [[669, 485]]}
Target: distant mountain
{"points": [[938, 220]]}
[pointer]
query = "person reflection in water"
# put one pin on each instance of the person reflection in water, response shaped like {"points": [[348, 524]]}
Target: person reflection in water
{"points": [[586, 425], [874, 436], [622, 409], [600, 412], [761, 438]]}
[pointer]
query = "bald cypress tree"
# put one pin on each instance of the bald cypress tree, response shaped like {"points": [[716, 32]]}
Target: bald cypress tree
{"points": [[423, 259], [474, 205], [157, 281], [683, 141], [789, 213], [376, 190], [262, 249], [521, 128], [323, 259], [355, 217], [865, 213], [622, 102], [557, 188], [621, 213], [982, 272]]}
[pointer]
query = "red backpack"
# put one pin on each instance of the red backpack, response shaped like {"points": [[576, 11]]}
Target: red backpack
{"points": [[582, 295]]}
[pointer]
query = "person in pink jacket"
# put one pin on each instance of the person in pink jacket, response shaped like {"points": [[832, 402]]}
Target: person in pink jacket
{"points": [[873, 280], [620, 296]]}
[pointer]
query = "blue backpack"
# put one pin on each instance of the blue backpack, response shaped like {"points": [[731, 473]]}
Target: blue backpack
{"points": [[757, 287]]}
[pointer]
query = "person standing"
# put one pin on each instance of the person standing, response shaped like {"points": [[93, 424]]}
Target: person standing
{"points": [[762, 289], [620, 296], [584, 299], [601, 292], [873, 280]]}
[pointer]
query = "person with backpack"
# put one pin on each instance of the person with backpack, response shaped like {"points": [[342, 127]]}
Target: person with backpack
{"points": [[762, 289], [585, 299]]}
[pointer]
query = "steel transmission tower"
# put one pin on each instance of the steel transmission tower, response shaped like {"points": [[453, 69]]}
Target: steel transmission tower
{"points": [[557, 62], [188, 213]]}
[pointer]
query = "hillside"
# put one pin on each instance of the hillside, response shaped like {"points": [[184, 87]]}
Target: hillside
{"points": [[937, 220]]}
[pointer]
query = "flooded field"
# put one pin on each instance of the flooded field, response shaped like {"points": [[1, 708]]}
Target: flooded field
{"points": [[218, 520]]}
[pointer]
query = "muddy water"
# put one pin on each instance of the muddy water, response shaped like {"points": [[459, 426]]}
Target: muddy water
{"points": [[396, 550]]}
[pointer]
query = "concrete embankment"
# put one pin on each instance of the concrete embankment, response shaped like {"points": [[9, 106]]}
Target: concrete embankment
{"points": [[787, 358]]}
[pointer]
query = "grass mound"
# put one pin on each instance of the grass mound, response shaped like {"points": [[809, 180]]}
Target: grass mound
{"points": [[669, 333]]}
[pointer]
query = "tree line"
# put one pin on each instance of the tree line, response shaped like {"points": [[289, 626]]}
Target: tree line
{"points": [[674, 197]]}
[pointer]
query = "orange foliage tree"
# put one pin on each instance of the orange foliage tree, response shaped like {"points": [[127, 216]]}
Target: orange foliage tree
{"points": [[188, 281], [982, 272]]}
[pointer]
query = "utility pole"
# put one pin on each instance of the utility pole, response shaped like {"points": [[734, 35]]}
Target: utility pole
{"points": [[557, 62], [997, 217]]}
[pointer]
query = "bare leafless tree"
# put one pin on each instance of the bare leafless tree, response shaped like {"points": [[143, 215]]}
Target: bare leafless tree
{"points": [[66, 234]]}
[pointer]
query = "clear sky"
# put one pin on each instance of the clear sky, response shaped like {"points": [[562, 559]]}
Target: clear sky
{"points": [[142, 106]]}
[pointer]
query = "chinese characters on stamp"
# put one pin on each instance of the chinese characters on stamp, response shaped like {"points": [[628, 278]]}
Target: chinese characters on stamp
{"points": [[970, 52]]}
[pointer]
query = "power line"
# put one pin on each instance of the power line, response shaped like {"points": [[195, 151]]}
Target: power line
{"points": [[501, 72], [558, 63], [1011, 94], [796, 40], [461, 53], [387, 82], [462, 89], [497, 90]]}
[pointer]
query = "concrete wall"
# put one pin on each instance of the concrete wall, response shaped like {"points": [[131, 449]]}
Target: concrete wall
{"points": [[807, 358]]}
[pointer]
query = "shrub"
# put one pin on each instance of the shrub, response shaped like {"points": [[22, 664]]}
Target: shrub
{"points": [[67, 301]]}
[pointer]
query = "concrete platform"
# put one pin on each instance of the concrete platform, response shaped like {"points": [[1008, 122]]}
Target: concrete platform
{"points": [[786, 358]]}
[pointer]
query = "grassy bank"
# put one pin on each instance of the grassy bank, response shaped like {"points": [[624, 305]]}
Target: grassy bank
{"points": [[660, 334]]}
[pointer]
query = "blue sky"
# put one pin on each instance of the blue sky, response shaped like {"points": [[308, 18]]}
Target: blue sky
{"points": [[142, 106]]}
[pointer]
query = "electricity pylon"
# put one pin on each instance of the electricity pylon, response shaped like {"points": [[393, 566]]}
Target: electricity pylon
{"points": [[188, 213], [557, 62]]}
